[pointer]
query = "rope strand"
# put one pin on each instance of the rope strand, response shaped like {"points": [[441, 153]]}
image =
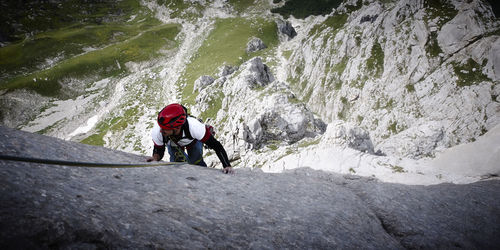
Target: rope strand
{"points": [[86, 164]]}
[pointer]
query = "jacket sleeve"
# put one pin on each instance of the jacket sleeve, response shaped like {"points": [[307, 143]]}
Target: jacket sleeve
{"points": [[160, 150], [212, 143]]}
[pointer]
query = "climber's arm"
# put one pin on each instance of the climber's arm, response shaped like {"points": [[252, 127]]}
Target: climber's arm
{"points": [[158, 153], [212, 143]]}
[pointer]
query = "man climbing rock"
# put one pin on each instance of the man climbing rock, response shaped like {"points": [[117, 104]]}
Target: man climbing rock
{"points": [[179, 132]]}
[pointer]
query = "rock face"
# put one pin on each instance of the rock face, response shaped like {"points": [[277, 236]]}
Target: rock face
{"points": [[257, 73], [226, 70], [286, 29], [349, 135], [418, 78], [281, 122], [203, 82], [258, 110], [462, 30], [186, 207]]}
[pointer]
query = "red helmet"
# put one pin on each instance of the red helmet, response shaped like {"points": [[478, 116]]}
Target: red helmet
{"points": [[172, 116]]}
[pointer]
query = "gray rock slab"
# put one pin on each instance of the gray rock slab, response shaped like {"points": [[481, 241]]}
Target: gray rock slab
{"points": [[202, 82], [190, 207], [286, 29], [255, 44], [444, 216]]}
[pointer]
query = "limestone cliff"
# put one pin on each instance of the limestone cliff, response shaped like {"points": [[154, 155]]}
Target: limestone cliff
{"points": [[419, 76], [189, 207]]}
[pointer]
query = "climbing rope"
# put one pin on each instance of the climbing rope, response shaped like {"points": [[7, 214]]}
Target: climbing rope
{"points": [[86, 164]]}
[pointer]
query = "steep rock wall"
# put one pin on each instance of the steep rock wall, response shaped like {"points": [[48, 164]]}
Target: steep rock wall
{"points": [[188, 207], [402, 70]]}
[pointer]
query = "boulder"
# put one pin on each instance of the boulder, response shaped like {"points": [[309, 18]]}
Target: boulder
{"points": [[285, 28], [20, 106], [344, 134], [252, 132], [282, 121], [226, 70], [368, 18], [257, 74], [416, 142], [255, 44], [202, 82]]}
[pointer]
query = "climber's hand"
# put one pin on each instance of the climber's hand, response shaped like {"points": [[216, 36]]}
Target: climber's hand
{"points": [[228, 170]]}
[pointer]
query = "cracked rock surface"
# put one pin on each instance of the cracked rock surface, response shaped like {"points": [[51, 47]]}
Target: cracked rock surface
{"points": [[189, 207]]}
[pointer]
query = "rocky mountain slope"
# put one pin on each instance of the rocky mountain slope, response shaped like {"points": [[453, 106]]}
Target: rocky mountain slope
{"points": [[186, 207], [416, 75], [383, 87]]}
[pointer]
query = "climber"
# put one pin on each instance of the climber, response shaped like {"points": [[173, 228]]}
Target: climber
{"points": [[176, 130]]}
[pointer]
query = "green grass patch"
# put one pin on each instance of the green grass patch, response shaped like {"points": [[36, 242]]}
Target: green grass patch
{"points": [[375, 63], [103, 62], [95, 139], [358, 40], [307, 143], [115, 124], [288, 152], [382, 103], [180, 8], [214, 105], [390, 104], [18, 18], [469, 73], [397, 169], [300, 86], [339, 68], [360, 119], [393, 127], [308, 95], [62, 30], [441, 9], [338, 84], [226, 44], [287, 54], [31, 54], [302, 9], [241, 5], [410, 88], [432, 47], [357, 6], [344, 112], [334, 22]]}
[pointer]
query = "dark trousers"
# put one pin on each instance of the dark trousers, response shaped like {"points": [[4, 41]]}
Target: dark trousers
{"points": [[193, 156]]}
